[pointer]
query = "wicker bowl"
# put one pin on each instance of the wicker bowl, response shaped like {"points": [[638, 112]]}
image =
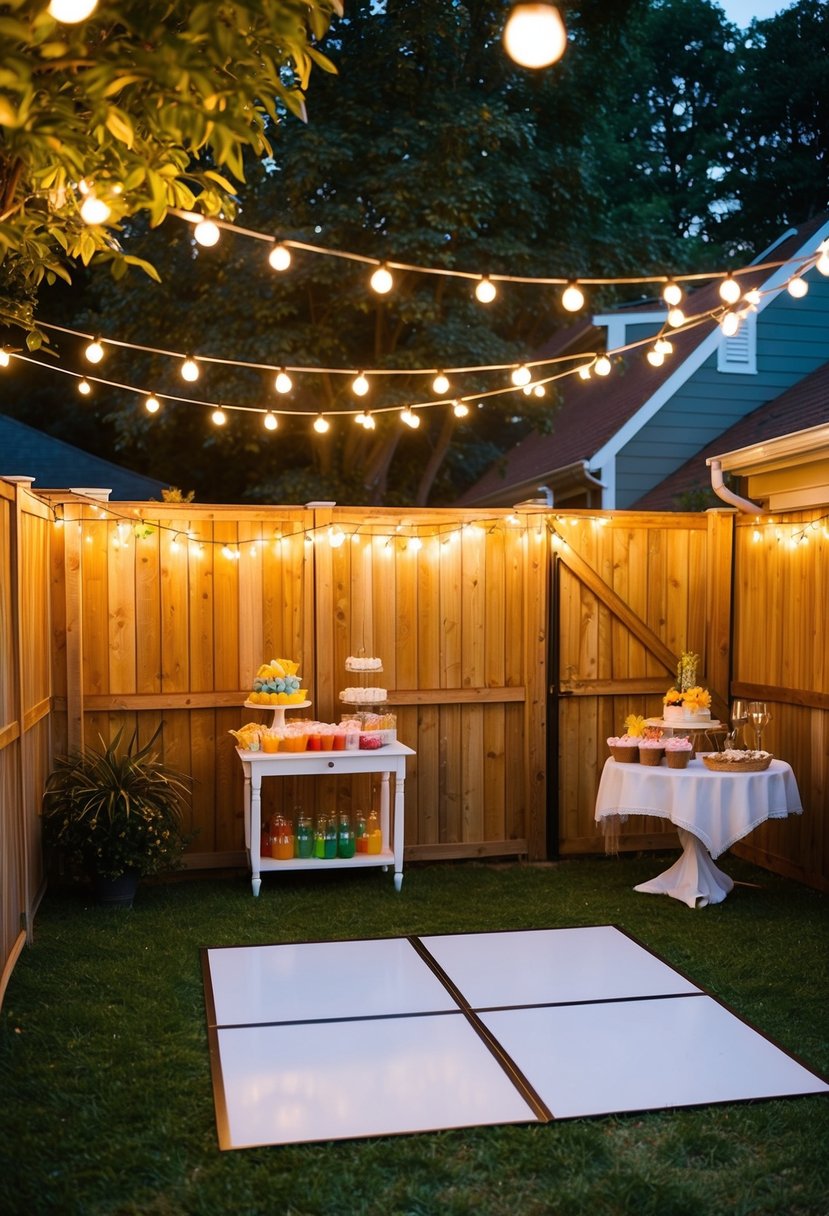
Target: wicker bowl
{"points": [[717, 765]]}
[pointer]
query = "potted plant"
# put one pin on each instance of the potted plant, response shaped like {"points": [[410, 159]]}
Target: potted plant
{"points": [[117, 813]]}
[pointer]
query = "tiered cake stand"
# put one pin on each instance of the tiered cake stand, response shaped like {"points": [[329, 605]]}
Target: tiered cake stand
{"points": [[278, 711]]}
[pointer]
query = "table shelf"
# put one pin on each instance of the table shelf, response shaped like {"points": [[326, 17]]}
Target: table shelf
{"points": [[384, 858]]}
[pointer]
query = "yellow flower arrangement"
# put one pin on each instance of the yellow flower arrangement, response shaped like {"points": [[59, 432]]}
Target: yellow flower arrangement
{"points": [[696, 698], [634, 725], [673, 697]]}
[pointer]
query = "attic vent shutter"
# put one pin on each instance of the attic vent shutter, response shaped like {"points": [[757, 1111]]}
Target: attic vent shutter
{"points": [[739, 354]]}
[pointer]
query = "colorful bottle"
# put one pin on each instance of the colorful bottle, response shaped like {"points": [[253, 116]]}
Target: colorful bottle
{"points": [[330, 837], [319, 837], [375, 836], [304, 836], [346, 844], [360, 837]]}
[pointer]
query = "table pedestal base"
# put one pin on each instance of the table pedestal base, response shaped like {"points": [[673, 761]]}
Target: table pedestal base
{"points": [[693, 879]]}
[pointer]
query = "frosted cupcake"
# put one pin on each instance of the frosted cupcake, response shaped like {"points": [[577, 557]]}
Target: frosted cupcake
{"points": [[651, 751], [678, 752], [624, 748]]}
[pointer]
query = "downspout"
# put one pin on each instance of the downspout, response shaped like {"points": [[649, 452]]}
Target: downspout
{"points": [[722, 491]]}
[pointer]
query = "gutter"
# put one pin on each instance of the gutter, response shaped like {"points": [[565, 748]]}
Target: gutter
{"points": [[722, 491]]}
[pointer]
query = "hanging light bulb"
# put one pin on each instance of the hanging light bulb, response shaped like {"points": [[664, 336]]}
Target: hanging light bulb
{"points": [[94, 210], [672, 294], [440, 384], [4, 358], [70, 12], [410, 418], [539, 391], [602, 366], [486, 291], [534, 35], [572, 298], [797, 288], [664, 346], [283, 382], [207, 233], [676, 317], [752, 298], [321, 424], [655, 357], [85, 388], [822, 264], [280, 257], [729, 324], [359, 385], [730, 290], [369, 423], [336, 536], [189, 369], [460, 409], [94, 352], [521, 376], [584, 371], [152, 405], [218, 417], [381, 281], [270, 421]]}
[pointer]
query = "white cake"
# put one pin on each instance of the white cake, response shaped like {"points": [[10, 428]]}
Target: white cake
{"points": [[353, 663], [364, 696]]}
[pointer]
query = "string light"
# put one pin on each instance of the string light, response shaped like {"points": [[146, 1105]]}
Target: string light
{"points": [[218, 417], [189, 370], [797, 288], [270, 421], [822, 264], [84, 387], [534, 35], [676, 318], [207, 233], [279, 257], [655, 357], [672, 294], [730, 291], [152, 405], [283, 382], [460, 409], [410, 418], [440, 384], [95, 351], [730, 324], [382, 281], [70, 12], [572, 298], [4, 357], [486, 291], [94, 210], [602, 366], [359, 385], [521, 376], [321, 424], [584, 372]]}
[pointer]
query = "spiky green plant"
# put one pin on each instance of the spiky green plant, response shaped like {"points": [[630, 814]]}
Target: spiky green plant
{"points": [[116, 810]]}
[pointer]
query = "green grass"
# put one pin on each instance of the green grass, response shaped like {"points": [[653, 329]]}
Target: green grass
{"points": [[106, 1104]]}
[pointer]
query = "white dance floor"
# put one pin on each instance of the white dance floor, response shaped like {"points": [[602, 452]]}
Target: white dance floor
{"points": [[336, 1040]]}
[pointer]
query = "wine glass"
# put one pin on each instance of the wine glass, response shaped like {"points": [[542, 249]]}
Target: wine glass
{"points": [[739, 718], [758, 712]]}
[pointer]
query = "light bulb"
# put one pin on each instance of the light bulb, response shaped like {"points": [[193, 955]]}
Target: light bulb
{"points": [[415, 544], [572, 298], [94, 210], [664, 346], [730, 290], [70, 12], [521, 376], [381, 281], [280, 257], [321, 425], [602, 366], [218, 417], [486, 291], [270, 421], [672, 294], [655, 357], [85, 388], [94, 352], [369, 423], [797, 288], [359, 385], [752, 297], [729, 324], [822, 264], [283, 382], [676, 317], [189, 370], [539, 391], [152, 405], [410, 418], [440, 384], [584, 372], [336, 536], [460, 409], [534, 35], [206, 233], [360, 418], [4, 358]]}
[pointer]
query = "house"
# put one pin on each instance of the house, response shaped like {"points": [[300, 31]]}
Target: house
{"points": [[56, 465], [617, 441]]}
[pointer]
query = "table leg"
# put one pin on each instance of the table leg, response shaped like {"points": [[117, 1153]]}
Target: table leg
{"points": [[693, 879], [399, 785], [255, 796]]}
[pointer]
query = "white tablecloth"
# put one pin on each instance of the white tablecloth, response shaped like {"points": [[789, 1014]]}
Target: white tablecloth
{"points": [[718, 808]]}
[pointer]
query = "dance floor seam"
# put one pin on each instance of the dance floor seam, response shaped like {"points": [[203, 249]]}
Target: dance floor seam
{"points": [[319, 1041]]}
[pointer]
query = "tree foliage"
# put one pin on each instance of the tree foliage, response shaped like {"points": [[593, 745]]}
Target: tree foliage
{"points": [[148, 105]]}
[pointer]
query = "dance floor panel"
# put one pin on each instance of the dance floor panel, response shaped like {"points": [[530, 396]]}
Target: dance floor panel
{"points": [[336, 1040]]}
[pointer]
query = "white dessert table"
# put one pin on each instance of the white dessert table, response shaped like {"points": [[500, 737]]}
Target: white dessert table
{"points": [[389, 760], [711, 810]]}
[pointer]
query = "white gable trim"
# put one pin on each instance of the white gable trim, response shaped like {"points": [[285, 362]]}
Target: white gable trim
{"points": [[601, 458], [617, 323]]}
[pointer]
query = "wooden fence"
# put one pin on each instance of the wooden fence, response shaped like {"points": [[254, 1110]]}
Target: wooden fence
{"points": [[513, 645]]}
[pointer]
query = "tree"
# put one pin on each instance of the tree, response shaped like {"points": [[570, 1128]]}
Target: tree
{"points": [[143, 107]]}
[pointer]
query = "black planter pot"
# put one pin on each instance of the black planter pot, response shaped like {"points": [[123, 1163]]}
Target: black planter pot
{"points": [[116, 892]]}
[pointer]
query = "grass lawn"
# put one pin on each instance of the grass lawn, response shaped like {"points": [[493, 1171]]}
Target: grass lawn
{"points": [[107, 1105]]}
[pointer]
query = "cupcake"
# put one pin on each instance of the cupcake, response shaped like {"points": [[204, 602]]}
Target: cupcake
{"points": [[678, 752], [625, 749], [651, 751]]}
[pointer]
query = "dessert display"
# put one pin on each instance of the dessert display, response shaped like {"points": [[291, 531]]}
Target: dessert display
{"points": [[364, 693], [732, 760], [364, 696], [276, 683], [686, 701], [355, 663]]}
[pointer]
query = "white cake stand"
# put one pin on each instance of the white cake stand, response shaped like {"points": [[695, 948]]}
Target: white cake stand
{"points": [[278, 711]]}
